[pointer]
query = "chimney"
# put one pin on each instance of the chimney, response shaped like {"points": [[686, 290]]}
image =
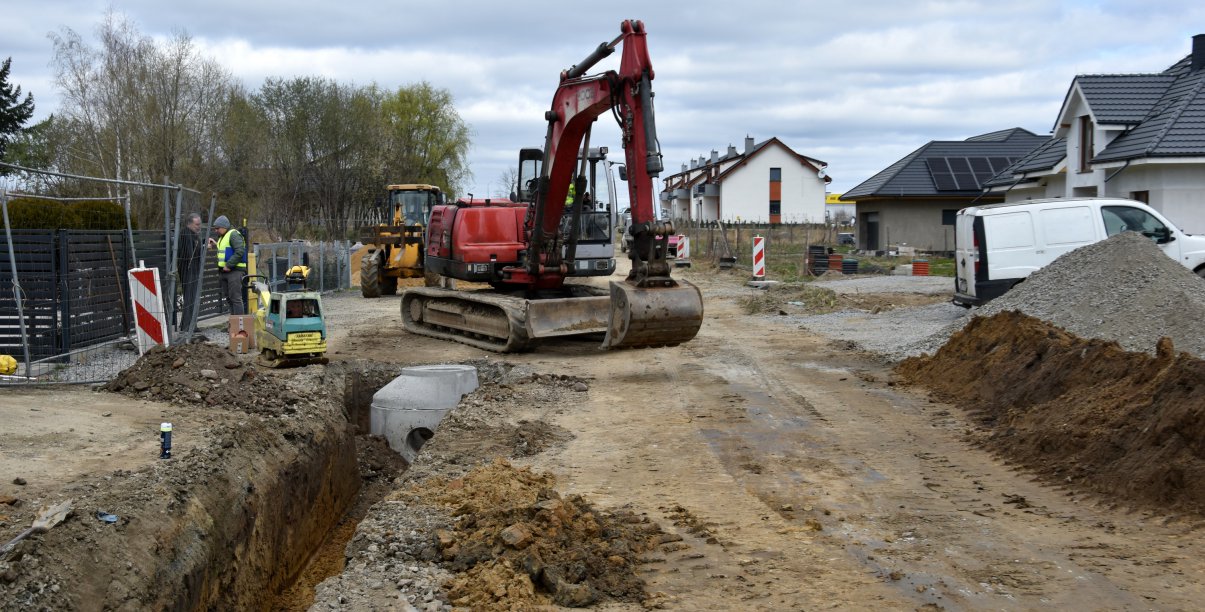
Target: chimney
{"points": [[748, 145], [1198, 52], [715, 156], [684, 167], [731, 151]]}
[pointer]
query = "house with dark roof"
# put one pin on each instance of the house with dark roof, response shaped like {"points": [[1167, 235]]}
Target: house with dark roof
{"points": [[913, 201], [767, 182], [1138, 136]]}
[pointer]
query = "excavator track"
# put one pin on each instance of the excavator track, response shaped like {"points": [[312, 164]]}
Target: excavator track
{"points": [[501, 322], [627, 316]]}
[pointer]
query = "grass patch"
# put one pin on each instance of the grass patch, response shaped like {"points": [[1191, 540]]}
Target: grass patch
{"points": [[771, 300]]}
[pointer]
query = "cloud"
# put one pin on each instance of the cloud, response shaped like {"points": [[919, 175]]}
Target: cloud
{"points": [[857, 85]]}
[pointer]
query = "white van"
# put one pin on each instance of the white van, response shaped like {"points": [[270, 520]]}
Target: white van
{"points": [[998, 245]]}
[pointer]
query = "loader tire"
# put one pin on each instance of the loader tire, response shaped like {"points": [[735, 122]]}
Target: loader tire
{"points": [[370, 276]]}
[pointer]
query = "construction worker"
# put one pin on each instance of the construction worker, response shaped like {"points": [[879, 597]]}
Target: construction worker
{"points": [[232, 264], [190, 259]]}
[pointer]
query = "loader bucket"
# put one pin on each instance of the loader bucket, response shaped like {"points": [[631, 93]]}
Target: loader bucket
{"points": [[653, 316]]}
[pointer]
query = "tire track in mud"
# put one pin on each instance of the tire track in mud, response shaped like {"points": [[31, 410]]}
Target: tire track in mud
{"points": [[651, 450], [937, 516]]}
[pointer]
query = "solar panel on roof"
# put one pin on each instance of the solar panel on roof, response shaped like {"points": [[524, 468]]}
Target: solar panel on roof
{"points": [[966, 181], [959, 164], [943, 178], [982, 168]]}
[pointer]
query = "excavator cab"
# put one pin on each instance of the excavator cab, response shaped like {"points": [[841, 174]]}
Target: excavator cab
{"points": [[589, 232]]}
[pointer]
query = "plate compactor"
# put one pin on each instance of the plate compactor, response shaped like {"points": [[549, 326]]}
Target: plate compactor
{"points": [[289, 326]]}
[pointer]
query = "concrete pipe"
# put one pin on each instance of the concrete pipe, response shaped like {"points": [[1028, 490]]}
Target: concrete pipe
{"points": [[408, 409]]}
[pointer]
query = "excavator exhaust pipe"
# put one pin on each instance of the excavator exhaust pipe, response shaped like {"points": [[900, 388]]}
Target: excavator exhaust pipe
{"points": [[653, 316]]}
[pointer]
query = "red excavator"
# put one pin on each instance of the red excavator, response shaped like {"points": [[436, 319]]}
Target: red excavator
{"points": [[526, 250]]}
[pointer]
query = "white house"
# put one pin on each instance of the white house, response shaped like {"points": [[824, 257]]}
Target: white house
{"points": [[767, 182], [1135, 136]]}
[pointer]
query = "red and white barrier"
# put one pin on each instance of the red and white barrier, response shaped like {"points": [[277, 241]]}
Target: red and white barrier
{"points": [[759, 258], [146, 299], [682, 259]]}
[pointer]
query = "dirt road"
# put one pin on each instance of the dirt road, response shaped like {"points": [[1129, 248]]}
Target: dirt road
{"points": [[800, 477], [785, 471]]}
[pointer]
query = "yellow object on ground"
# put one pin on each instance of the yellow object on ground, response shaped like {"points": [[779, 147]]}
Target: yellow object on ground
{"points": [[8, 365]]}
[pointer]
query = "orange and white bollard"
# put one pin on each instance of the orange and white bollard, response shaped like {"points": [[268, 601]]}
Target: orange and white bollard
{"points": [[759, 258]]}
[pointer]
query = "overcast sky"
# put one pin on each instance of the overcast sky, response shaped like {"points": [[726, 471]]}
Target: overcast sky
{"points": [[856, 84]]}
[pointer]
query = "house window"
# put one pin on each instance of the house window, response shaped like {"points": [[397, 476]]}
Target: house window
{"points": [[775, 208], [1085, 144], [775, 175], [1141, 196], [948, 215]]}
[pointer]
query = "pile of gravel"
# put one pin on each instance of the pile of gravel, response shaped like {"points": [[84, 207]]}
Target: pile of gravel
{"points": [[1124, 289]]}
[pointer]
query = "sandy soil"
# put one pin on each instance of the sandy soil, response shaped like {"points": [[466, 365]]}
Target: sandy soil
{"points": [[797, 475]]}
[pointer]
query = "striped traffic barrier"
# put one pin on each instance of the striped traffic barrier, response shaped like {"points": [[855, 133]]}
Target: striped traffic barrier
{"points": [[146, 295], [683, 257], [759, 258]]}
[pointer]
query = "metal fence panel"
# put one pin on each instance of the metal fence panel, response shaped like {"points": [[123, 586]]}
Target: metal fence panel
{"points": [[94, 287], [36, 260]]}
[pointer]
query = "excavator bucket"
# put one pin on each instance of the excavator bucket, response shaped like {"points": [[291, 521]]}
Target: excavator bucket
{"points": [[653, 316]]}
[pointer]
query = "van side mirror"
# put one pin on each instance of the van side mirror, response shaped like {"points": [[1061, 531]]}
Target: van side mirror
{"points": [[623, 173], [1163, 235]]}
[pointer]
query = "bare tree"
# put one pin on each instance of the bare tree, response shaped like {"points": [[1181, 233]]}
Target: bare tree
{"points": [[140, 110], [508, 183]]}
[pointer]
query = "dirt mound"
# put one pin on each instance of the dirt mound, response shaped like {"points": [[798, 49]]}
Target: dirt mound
{"points": [[517, 544], [1086, 413], [206, 374], [1123, 289]]}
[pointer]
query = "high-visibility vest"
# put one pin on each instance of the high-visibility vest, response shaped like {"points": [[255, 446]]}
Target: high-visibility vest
{"points": [[225, 250]]}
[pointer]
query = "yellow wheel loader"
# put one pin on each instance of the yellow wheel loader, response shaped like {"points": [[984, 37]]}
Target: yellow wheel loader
{"points": [[394, 250]]}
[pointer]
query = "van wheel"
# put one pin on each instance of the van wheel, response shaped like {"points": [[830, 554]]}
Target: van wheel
{"points": [[1200, 271]]}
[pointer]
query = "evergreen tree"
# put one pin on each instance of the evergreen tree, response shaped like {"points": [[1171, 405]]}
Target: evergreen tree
{"points": [[13, 111]]}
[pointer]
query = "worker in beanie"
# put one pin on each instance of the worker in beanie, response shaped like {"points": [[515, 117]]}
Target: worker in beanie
{"points": [[232, 264]]}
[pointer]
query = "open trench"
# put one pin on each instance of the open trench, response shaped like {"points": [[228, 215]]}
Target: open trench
{"points": [[279, 526], [375, 469]]}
